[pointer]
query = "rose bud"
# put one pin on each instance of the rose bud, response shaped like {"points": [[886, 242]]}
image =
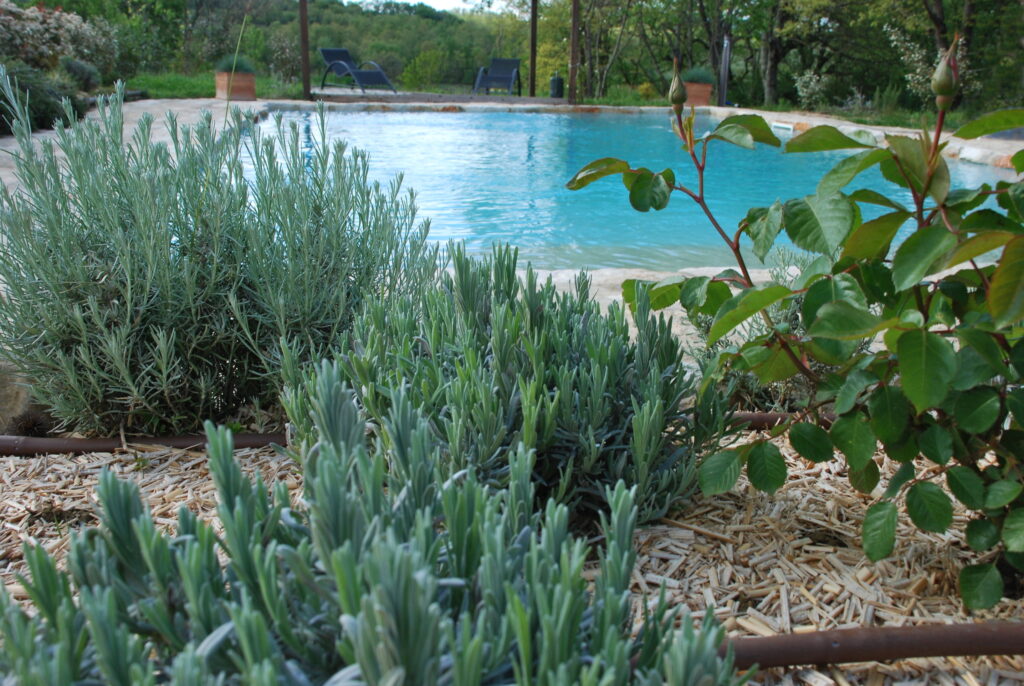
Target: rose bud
{"points": [[677, 91], [946, 78]]}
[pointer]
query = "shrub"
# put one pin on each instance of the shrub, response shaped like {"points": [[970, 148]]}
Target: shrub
{"points": [[623, 95], [44, 97], [238, 64], [925, 337], [140, 48], [887, 101], [285, 57], [149, 287], [100, 44], [85, 76], [647, 91], [40, 36], [392, 570], [494, 362], [813, 90], [918, 64], [252, 43], [424, 70], [698, 75]]}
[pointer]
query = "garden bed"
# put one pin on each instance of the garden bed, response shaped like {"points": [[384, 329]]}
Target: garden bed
{"points": [[769, 564], [791, 563]]}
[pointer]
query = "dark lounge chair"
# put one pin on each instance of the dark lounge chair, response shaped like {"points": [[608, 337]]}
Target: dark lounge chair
{"points": [[340, 63], [503, 73]]}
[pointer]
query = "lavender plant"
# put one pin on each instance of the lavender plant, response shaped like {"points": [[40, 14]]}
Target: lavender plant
{"points": [[495, 361], [922, 341], [389, 570], [148, 285]]}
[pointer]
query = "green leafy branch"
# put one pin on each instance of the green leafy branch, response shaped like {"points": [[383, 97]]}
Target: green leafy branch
{"points": [[917, 345]]}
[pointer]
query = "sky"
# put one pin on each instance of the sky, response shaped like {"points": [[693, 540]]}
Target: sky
{"points": [[454, 4], [448, 4]]}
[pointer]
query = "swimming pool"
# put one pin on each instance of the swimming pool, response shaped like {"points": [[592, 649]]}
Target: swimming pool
{"points": [[488, 176]]}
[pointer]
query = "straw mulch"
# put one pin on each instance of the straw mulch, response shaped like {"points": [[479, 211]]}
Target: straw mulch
{"points": [[42, 499], [791, 562], [784, 563]]}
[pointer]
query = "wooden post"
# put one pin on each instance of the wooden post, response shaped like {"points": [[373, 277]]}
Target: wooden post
{"points": [[533, 48], [574, 51], [304, 47]]}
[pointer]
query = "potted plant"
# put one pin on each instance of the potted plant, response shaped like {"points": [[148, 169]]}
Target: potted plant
{"points": [[698, 82], [235, 78]]}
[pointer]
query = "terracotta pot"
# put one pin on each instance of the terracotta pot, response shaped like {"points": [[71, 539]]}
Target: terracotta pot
{"points": [[697, 94], [243, 86]]}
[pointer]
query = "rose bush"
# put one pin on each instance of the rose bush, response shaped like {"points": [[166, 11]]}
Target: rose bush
{"points": [[922, 340]]}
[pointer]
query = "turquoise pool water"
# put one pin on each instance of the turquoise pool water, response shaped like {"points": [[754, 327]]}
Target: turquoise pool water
{"points": [[482, 177]]}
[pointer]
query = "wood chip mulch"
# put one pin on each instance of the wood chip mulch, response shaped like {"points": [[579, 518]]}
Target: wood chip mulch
{"points": [[768, 564], [791, 562], [43, 499]]}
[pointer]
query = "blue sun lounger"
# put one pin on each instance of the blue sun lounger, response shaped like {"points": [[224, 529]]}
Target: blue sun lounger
{"points": [[340, 63], [503, 73]]}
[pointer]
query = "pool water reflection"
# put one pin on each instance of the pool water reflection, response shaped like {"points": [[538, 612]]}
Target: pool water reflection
{"points": [[482, 177]]}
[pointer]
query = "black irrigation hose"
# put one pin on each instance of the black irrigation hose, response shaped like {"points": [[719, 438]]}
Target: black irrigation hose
{"points": [[23, 446], [876, 644], [872, 644], [28, 446]]}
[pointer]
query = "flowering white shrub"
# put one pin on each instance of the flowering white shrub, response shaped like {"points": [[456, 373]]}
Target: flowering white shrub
{"points": [[918, 64], [39, 36], [285, 55], [98, 42], [812, 89]]}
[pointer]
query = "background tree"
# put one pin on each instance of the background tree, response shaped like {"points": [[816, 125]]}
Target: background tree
{"points": [[848, 48]]}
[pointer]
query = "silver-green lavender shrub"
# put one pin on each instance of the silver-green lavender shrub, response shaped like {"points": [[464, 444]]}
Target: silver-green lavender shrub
{"points": [[148, 285], [393, 568], [495, 361]]}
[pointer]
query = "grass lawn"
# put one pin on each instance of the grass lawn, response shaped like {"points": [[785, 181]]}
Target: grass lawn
{"points": [[200, 85], [171, 85]]}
